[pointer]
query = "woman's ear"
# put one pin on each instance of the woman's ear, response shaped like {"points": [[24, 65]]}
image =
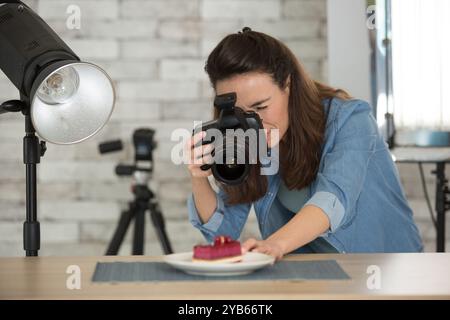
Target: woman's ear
{"points": [[287, 87]]}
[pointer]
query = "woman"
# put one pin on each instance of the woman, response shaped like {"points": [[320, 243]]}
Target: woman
{"points": [[337, 189]]}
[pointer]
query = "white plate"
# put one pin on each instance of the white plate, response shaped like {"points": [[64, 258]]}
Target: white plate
{"points": [[251, 261]]}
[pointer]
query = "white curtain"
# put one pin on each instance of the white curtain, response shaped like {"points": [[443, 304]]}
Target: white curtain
{"points": [[421, 63]]}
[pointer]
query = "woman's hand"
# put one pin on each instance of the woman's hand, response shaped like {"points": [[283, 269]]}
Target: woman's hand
{"points": [[199, 155], [269, 247]]}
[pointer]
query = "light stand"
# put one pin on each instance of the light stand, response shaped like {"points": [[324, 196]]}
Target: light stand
{"points": [[63, 99], [33, 150]]}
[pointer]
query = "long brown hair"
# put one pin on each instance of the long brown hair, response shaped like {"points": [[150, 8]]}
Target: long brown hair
{"points": [[300, 148]]}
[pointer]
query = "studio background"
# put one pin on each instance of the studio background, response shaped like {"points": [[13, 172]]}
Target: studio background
{"points": [[154, 50]]}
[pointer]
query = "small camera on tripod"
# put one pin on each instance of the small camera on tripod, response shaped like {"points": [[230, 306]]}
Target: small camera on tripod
{"points": [[144, 145], [144, 198]]}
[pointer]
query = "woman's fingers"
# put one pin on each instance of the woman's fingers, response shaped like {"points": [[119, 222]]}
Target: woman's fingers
{"points": [[263, 246], [249, 245], [196, 138], [198, 155], [202, 151]]}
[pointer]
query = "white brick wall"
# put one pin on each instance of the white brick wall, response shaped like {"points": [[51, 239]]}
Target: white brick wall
{"points": [[232, 9], [160, 9], [154, 50], [90, 10]]}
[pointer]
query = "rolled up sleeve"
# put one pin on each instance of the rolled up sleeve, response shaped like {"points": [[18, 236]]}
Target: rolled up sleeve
{"points": [[331, 205], [213, 223], [226, 220], [339, 183]]}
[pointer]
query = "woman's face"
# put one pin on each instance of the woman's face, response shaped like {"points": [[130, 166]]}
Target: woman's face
{"points": [[257, 92]]}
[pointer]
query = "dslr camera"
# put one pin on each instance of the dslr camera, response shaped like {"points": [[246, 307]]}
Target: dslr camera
{"points": [[236, 138]]}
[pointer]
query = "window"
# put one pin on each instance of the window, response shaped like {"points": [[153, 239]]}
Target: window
{"points": [[420, 31]]}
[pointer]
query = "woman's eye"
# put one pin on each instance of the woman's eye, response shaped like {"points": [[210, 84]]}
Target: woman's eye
{"points": [[261, 108]]}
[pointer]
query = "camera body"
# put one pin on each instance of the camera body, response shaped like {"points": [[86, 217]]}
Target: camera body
{"points": [[230, 170], [144, 144]]}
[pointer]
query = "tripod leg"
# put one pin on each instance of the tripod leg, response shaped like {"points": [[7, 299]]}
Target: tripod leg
{"points": [[158, 223], [139, 230], [119, 234]]}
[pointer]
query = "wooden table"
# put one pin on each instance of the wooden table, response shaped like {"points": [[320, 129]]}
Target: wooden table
{"points": [[403, 276]]}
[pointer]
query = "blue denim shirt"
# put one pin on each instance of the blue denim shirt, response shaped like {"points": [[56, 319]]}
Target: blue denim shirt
{"points": [[357, 187]]}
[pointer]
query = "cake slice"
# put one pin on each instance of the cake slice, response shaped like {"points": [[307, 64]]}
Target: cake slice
{"points": [[224, 249]]}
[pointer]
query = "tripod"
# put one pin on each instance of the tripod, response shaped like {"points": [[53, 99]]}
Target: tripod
{"points": [[144, 200]]}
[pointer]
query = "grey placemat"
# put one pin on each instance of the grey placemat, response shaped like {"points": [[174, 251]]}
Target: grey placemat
{"points": [[158, 271]]}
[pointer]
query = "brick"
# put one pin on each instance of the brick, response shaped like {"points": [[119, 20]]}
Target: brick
{"points": [[304, 8], [57, 191], [88, 150], [158, 48], [59, 232], [324, 70], [111, 129], [196, 30], [124, 69], [8, 91], [90, 10], [130, 110], [158, 90], [289, 29], [103, 191], [175, 191], [88, 49], [313, 68], [13, 210], [323, 29], [11, 151], [15, 191], [164, 150], [78, 210], [195, 111], [12, 171], [183, 69], [100, 232], [33, 4], [7, 117], [184, 235], [11, 249], [168, 171], [207, 91], [59, 152], [235, 9], [308, 49], [160, 8], [12, 191], [11, 232], [75, 249], [81, 171], [107, 29], [12, 131], [50, 232], [104, 231]]}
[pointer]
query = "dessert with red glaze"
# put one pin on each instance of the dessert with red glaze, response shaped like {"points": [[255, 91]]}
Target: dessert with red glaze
{"points": [[224, 249]]}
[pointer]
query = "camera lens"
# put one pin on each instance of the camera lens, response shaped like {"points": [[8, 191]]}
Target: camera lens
{"points": [[231, 161], [231, 174]]}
